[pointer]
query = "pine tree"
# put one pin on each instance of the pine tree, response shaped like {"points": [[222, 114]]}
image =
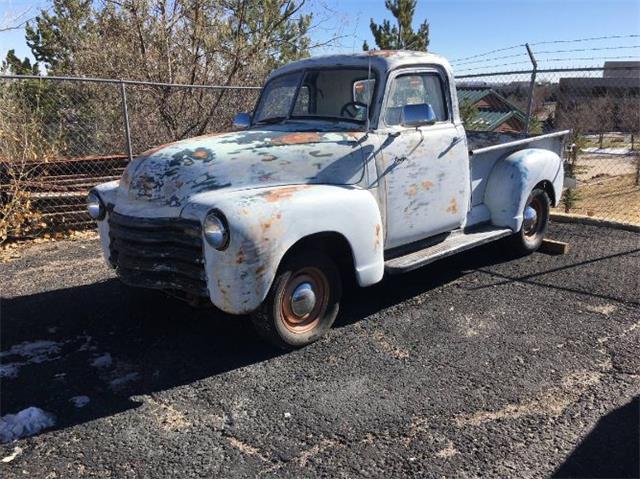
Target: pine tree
{"points": [[400, 36]]}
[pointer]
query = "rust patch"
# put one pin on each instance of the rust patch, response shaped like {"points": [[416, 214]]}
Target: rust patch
{"points": [[377, 242], [240, 257], [260, 270], [200, 153], [297, 138], [453, 206], [355, 135], [282, 193], [382, 53], [153, 150], [412, 190], [427, 184]]}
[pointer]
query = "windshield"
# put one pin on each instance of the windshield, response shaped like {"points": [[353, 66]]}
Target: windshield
{"points": [[339, 94]]}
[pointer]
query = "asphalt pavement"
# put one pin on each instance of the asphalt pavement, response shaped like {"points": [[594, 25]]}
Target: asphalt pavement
{"points": [[479, 365]]}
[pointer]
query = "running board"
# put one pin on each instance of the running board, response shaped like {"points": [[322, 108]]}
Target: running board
{"points": [[455, 242]]}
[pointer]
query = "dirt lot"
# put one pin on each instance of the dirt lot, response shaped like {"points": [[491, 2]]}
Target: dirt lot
{"points": [[478, 366]]}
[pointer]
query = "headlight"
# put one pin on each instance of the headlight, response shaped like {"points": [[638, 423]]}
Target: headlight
{"points": [[95, 206], [215, 229]]}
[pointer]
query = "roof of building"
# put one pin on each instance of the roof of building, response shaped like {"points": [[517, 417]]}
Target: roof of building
{"points": [[618, 69], [491, 120], [488, 119]]}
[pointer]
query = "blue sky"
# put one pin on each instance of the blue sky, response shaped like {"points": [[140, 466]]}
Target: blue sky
{"points": [[462, 28]]}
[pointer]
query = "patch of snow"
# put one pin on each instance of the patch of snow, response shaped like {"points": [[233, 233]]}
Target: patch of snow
{"points": [[609, 151], [35, 352], [80, 401], [9, 370], [25, 423], [103, 361], [120, 381], [87, 343], [10, 458]]}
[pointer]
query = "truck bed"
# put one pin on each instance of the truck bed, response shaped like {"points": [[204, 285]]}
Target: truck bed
{"points": [[486, 148]]}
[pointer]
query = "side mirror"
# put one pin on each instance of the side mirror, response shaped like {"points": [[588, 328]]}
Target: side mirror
{"points": [[418, 115], [242, 120]]}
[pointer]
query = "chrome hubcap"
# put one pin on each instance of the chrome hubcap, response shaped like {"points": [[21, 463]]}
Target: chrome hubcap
{"points": [[303, 300], [530, 219]]}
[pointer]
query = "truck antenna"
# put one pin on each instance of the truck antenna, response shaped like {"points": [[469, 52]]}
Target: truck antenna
{"points": [[368, 92]]}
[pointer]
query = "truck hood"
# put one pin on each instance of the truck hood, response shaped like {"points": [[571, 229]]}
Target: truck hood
{"points": [[168, 175]]}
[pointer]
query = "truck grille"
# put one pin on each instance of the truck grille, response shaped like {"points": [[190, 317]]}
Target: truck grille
{"points": [[162, 253]]}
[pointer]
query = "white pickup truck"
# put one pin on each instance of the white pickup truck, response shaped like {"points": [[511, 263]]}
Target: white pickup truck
{"points": [[349, 165]]}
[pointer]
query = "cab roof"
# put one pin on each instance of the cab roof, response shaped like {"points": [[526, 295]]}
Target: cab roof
{"points": [[381, 60]]}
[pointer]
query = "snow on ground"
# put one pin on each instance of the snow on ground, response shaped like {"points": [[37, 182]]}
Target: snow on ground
{"points": [[103, 361], [609, 151], [9, 370], [25, 423], [121, 381], [31, 352], [35, 352], [11, 457], [80, 401]]}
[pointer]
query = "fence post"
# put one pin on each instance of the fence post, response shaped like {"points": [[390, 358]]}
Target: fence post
{"points": [[125, 114], [532, 86]]}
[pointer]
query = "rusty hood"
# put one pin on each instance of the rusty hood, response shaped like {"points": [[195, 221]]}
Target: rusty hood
{"points": [[170, 174]]}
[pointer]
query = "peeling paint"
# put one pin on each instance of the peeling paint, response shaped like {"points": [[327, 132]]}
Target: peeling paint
{"points": [[453, 206]]}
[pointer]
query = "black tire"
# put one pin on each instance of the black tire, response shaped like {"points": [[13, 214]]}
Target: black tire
{"points": [[530, 236], [276, 320]]}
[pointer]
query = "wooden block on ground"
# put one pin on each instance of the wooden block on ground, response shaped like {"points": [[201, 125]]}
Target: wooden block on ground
{"points": [[554, 247]]}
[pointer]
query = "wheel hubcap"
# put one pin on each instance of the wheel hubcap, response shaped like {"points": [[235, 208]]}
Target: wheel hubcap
{"points": [[531, 217], [303, 299]]}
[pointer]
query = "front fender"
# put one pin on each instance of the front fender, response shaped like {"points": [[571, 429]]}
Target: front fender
{"points": [[265, 223], [513, 178]]}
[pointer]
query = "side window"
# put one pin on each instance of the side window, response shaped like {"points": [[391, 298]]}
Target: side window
{"points": [[412, 90]]}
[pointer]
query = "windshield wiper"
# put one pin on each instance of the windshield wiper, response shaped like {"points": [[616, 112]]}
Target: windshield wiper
{"points": [[271, 120]]}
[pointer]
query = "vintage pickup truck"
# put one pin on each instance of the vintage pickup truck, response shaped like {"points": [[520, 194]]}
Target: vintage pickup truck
{"points": [[349, 166]]}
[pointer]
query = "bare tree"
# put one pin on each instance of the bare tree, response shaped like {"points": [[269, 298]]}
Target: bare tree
{"points": [[602, 116], [629, 116]]}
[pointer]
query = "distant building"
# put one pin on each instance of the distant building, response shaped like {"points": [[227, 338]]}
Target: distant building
{"points": [[619, 80], [495, 113]]}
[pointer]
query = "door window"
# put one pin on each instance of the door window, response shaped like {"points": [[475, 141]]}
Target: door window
{"points": [[412, 90]]}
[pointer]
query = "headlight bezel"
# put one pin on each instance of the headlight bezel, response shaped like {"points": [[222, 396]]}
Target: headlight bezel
{"points": [[95, 206], [216, 220]]}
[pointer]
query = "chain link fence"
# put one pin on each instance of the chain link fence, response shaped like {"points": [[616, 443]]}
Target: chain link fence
{"points": [[61, 136], [602, 108]]}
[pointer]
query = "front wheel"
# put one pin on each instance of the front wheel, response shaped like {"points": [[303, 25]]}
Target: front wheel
{"points": [[534, 224], [303, 301]]}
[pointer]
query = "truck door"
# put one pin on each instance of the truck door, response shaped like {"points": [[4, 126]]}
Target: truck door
{"points": [[424, 170]]}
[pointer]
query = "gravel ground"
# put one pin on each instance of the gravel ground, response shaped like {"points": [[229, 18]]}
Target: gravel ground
{"points": [[475, 366]]}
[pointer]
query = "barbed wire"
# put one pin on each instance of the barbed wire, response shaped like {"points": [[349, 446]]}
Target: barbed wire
{"points": [[608, 37], [549, 60], [548, 42], [543, 52]]}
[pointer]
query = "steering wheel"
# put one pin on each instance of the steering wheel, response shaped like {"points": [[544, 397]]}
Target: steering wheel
{"points": [[350, 108]]}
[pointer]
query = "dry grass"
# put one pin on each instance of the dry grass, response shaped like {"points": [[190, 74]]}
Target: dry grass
{"points": [[611, 198]]}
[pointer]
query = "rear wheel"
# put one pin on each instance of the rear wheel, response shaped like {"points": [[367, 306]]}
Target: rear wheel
{"points": [[303, 301], [534, 224]]}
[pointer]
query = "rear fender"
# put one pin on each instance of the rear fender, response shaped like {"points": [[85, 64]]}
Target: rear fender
{"points": [[265, 223], [514, 177]]}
